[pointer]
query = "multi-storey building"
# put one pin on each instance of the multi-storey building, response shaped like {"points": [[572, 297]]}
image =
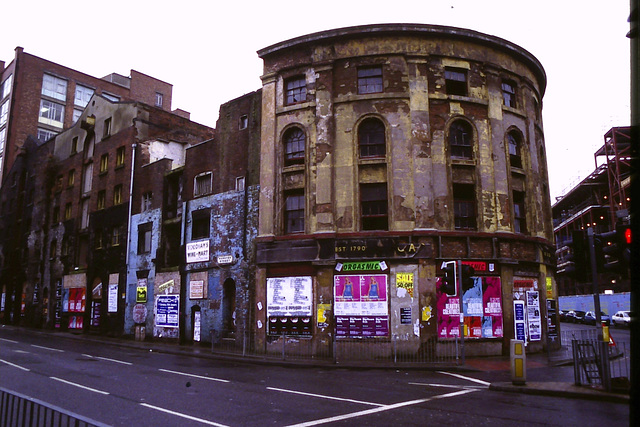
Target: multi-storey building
{"points": [[69, 258], [386, 151], [192, 231], [41, 98], [600, 202]]}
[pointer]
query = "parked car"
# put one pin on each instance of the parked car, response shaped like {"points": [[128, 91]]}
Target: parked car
{"points": [[563, 315], [622, 318], [575, 316], [590, 318]]}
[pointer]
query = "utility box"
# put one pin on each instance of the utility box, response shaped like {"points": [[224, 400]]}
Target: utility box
{"points": [[518, 363]]}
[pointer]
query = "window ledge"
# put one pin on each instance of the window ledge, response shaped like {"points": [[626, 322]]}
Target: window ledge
{"points": [[518, 171], [293, 168], [293, 107], [463, 162], [444, 96], [350, 97], [372, 160], [513, 110]]}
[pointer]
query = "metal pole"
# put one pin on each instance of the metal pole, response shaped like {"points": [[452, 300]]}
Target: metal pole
{"points": [[594, 280], [458, 276]]}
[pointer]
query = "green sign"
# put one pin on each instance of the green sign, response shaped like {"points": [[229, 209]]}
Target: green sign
{"points": [[364, 266]]}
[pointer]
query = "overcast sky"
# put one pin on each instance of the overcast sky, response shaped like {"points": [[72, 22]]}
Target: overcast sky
{"points": [[207, 50]]}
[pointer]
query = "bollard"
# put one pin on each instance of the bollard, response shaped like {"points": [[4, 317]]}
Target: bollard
{"points": [[518, 363]]}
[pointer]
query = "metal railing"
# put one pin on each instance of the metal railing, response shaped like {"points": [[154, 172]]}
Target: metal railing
{"points": [[20, 410], [384, 351]]}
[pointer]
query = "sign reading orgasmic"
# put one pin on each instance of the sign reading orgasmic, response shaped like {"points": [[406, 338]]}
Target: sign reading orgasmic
{"points": [[361, 305], [481, 309]]}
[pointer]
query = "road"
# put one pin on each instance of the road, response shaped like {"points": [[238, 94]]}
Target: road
{"points": [[125, 386]]}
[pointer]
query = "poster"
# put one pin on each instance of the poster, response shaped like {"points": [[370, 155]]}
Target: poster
{"points": [[112, 304], [289, 296], [361, 305], [534, 320], [289, 305], [404, 281], [519, 320], [481, 309], [141, 291], [167, 310]]}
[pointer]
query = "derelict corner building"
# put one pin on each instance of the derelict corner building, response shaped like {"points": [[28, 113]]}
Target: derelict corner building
{"points": [[387, 150]]}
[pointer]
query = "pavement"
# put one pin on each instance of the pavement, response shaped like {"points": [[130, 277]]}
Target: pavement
{"points": [[544, 375]]}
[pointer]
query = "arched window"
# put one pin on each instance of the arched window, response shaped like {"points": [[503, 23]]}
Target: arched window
{"points": [[371, 138], [294, 146], [515, 141], [461, 140]]}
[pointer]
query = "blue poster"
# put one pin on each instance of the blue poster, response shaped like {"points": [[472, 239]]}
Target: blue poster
{"points": [[167, 311]]}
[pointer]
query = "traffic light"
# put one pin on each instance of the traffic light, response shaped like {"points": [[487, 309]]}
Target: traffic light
{"points": [[624, 240], [467, 280], [576, 262], [449, 284]]}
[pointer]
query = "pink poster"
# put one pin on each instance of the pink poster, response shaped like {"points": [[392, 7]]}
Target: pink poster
{"points": [[485, 324]]}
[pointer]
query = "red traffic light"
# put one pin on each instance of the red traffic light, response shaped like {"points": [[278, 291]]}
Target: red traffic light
{"points": [[627, 235]]}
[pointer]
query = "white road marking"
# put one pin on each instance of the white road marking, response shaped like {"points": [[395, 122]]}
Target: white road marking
{"points": [[79, 385], [107, 359], [381, 409], [178, 414], [11, 341], [475, 380], [15, 366], [450, 386], [47, 348], [325, 397], [194, 376]]}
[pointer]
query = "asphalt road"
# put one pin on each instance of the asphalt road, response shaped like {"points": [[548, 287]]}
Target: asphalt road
{"points": [[124, 386]]}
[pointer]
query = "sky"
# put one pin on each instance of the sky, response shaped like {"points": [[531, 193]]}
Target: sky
{"points": [[207, 51]]}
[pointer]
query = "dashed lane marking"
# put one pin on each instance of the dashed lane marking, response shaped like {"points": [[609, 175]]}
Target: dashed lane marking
{"points": [[15, 366], [79, 385], [11, 341], [107, 359], [47, 348], [178, 414], [194, 376]]}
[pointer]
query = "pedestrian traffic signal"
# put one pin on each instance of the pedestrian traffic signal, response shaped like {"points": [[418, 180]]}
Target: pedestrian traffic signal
{"points": [[449, 283]]}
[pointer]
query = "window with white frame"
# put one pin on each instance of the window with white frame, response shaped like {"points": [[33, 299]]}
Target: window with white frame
{"points": [[76, 115], [240, 183], [159, 99], [147, 199], [295, 90], [83, 95], [4, 113], [3, 139], [244, 122], [202, 184], [54, 87], [144, 238], [51, 113], [45, 134], [6, 87]]}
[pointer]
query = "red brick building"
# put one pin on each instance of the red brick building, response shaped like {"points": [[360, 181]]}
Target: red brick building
{"points": [[41, 98]]}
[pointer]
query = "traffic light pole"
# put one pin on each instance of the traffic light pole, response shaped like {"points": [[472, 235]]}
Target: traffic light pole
{"points": [[594, 280], [459, 289]]}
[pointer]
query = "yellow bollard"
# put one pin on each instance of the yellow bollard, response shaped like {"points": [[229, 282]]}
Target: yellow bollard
{"points": [[518, 363], [605, 332]]}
